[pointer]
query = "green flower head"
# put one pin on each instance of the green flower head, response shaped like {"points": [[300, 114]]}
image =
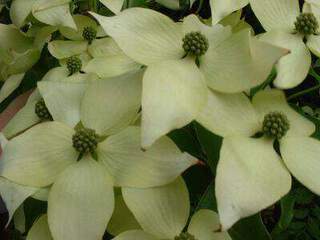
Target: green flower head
{"points": [[89, 34], [306, 24], [50, 153], [74, 64], [42, 111], [85, 140], [195, 43], [275, 125]]}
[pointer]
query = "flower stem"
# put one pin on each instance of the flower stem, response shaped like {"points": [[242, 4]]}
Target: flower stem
{"points": [[298, 94], [200, 6], [313, 73]]}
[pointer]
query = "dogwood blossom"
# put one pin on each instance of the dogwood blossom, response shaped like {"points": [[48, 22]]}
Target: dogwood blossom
{"points": [[108, 147], [284, 23], [163, 212], [55, 12], [174, 87], [18, 54], [27, 117], [91, 53], [222, 8], [251, 175]]}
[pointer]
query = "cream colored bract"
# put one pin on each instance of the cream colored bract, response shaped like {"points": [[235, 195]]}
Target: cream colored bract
{"points": [[174, 87], [278, 18], [251, 175], [44, 155]]}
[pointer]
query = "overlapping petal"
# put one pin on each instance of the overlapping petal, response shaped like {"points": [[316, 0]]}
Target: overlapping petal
{"points": [[274, 100], [54, 12], [162, 211], [215, 34], [222, 8], [81, 23], [205, 225], [229, 115], [299, 58], [122, 218], [19, 11], [174, 93], [40, 230], [61, 49], [132, 167], [14, 195], [313, 44], [63, 99], [300, 155], [276, 14], [239, 63], [81, 202], [10, 85], [144, 35], [38, 156], [24, 118], [114, 5], [250, 177], [116, 66], [112, 104]]}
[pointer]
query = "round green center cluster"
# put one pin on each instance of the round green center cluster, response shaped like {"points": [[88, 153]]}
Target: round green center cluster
{"points": [[195, 43], [42, 111], [185, 236], [85, 140], [74, 64], [307, 24], [275, 125], [89, 34]]}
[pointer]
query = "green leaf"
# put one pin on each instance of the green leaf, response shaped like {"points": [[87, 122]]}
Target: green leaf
{"points": [[304, 196], [210, 144], [208, 201], [313, 228], [33, 209], [301, 213], [250, 228], [287, 213], [187, 141]]}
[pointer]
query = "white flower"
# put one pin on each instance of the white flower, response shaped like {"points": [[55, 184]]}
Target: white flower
{"points": [[18, 54], [251, 175], [12, 194], [278, 17], [174, 87], [222, 8], [83, 189], [114, 5], [163, 212], [54, 12], [26, 116], [94, 54]]}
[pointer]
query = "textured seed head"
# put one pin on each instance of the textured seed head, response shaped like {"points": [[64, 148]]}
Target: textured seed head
{"points": [[89, 34], [74, 64], [185, 236], [42, 111], [275, 125], [195, 43], [307, 24], [85, 140]]}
